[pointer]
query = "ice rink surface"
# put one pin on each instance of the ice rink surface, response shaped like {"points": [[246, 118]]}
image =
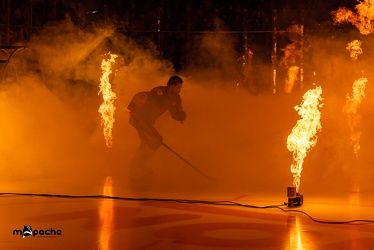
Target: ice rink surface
{"points": [[255, 221]]}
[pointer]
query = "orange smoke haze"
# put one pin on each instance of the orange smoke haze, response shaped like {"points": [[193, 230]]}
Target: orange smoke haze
{"points": [[52, 142]]}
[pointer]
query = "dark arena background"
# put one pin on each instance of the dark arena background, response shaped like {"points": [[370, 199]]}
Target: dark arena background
{"points": [[269, 87]]}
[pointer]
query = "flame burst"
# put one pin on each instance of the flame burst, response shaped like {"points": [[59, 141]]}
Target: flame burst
{"points": [[107, 108], [354, 49], [362, 20], [304, 134], [351, 109]]}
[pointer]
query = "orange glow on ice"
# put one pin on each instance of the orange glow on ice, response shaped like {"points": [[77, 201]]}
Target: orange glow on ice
{"points": [[296, 239], [362, 20], [304, 134], [107, 107], [106, 216]]}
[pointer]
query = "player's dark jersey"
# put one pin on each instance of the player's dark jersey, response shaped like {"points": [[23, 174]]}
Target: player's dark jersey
{"points": [[150, 105]]}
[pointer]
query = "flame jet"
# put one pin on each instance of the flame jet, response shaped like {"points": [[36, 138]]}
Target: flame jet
{"points": [[107, 107], [362, 20], [351, 110], [353, 102], [304, 134]]}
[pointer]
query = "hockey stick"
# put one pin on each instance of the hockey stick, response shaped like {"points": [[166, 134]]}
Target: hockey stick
{"points": [[188, 163]]}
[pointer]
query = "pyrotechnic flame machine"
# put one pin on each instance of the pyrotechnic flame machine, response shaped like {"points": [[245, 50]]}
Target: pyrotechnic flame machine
{"points": [[295, 199]]}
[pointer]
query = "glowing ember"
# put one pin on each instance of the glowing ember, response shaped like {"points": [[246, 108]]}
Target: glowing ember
{"points": [[304, 133], [351, 109], [354, 49], [107, 108], [363, 19]]}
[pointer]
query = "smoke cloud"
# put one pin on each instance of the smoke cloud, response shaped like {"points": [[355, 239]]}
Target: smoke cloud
{"points": [[52, 140]]}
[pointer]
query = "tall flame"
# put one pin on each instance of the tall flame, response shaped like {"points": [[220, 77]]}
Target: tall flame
{"points": [[353, 102], [304, 134], [107, 108], [362, 20], [351, 109], [293, 56]]}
